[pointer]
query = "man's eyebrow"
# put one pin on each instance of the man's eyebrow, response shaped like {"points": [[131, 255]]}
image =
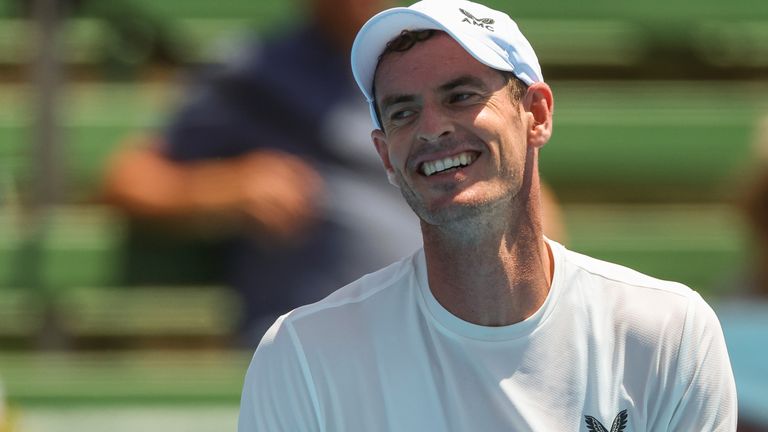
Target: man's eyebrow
{"points": [[462, 81], [468, 80], [396, 99]]}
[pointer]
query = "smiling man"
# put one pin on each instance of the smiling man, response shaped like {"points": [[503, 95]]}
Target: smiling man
{"points": [[491, 326]]}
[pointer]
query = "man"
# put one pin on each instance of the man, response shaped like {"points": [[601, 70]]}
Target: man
{"points": [[491, 327]]}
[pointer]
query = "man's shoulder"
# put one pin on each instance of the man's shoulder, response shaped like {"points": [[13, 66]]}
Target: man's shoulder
{"points": [[646, 306], [362, 290], [617, 276], [381, 289], [647, 312]]}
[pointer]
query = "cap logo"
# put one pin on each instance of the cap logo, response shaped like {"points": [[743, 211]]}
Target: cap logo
{"points": [[485, 23]]}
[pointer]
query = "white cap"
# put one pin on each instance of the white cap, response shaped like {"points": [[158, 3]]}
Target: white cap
{"points": [[488, 35]]}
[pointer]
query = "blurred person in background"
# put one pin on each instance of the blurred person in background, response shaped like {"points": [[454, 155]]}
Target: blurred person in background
{"points": [[744, 310], [750, 279], [744, 307], [265, 162], [756, 211]]}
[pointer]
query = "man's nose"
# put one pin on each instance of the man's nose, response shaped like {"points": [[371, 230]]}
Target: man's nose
{"points": [[433, 124]]}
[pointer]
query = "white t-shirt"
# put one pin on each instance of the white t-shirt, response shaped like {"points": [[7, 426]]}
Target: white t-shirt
{"points": [[609, 345]]}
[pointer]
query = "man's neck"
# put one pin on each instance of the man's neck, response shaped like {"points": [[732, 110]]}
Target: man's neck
{"points": [[500, 277]]}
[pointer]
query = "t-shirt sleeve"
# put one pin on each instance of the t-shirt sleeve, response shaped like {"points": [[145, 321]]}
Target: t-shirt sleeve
{"points": [[704, 378], [278, 394]]}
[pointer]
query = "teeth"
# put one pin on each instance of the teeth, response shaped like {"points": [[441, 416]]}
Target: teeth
{"points": [[432, 167]]}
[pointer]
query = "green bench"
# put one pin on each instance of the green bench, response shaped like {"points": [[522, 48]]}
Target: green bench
{"points": [[596, 33], [73, 275], [126, 316], [127, 377], [588, 41], [702, 246], [168, 312], [652, 141]]}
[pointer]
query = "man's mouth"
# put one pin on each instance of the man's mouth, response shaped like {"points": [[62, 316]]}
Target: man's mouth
{"points": [[448, 163]]}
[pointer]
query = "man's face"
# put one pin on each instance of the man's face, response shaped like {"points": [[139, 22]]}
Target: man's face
{"points": [[452, 133]]}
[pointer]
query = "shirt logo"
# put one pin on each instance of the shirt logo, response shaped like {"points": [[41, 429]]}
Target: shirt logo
{"points": [[482, 22], [619, 423]]}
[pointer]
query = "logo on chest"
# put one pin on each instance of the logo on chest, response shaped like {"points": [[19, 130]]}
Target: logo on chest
{"points": [[618, 425]]}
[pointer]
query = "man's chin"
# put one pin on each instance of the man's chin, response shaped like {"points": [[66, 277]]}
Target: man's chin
{"points": [[451, 212], [447, 207]]}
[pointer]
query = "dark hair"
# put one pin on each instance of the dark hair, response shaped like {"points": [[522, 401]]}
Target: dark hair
{"points": [[408, 38]]}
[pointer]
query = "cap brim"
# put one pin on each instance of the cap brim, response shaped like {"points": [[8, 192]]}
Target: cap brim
{"points": [[373, 37]]}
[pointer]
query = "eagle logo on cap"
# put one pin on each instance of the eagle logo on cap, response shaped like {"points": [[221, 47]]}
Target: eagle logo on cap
{"points": [[486, 21]]}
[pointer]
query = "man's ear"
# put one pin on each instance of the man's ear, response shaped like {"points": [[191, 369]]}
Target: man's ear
{"points": [[380, 142], [539, 103]]}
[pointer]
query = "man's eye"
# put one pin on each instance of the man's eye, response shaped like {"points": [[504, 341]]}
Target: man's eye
{"points": [[400, 115], [460, 97]]}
